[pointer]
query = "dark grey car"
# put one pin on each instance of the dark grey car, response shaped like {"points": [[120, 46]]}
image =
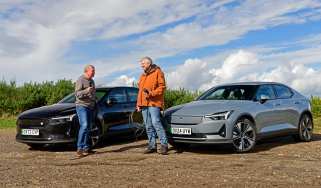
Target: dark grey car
{"points": [[240, 114]]}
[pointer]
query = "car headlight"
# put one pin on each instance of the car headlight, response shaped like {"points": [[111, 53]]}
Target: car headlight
{"points": [[219, 116], [62, 119]]}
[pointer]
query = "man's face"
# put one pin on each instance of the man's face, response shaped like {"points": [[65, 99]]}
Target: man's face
{"points": [[90, 72], [145, 64]]}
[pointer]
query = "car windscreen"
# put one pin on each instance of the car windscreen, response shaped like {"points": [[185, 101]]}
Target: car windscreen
{"points": [[230, 92], [71, 98]]}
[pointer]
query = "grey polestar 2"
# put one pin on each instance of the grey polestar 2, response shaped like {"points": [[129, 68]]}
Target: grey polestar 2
{"points": [[240, 114]]}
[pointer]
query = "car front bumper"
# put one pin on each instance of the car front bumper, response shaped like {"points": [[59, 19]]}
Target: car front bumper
{"points": [[208, 132], [48, 133]]}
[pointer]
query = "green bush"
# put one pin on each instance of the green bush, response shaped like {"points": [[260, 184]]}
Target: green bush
{"points": [[14, 100], [316, 106], [180, 96]]}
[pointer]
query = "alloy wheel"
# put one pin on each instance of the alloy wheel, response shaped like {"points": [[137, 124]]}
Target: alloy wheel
{"points": [[244, 135], [306, 128], [96, 135]]}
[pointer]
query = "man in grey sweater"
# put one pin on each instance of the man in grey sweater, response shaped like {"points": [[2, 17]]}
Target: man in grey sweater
{"points": [[85, 92]]}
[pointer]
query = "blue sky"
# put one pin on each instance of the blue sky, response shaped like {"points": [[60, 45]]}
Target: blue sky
{"points": [[197, 43]]}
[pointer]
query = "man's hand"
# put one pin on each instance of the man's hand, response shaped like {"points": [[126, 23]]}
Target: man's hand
{"points": [[89, 89], [147, 92], [138, 108]]}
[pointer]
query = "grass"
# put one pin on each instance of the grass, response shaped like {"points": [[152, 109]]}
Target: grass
{"points": [[317, 125], [7, 122]]}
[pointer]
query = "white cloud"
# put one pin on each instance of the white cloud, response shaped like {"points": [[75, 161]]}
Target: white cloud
{"points": [[123, 80], [245, 66], [190, 75]]}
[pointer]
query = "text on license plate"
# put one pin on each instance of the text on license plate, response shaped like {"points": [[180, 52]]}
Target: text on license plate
{"points": [[182, 131], [34, 132]]}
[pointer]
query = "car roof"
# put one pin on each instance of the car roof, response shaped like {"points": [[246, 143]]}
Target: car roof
{"points": [[249, 83], [112, 87]]}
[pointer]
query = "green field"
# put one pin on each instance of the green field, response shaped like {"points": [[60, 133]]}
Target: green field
{"points": [[7, 123]]}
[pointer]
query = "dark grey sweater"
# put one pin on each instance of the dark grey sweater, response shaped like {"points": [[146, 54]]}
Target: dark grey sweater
{"points": [[83, 97]]}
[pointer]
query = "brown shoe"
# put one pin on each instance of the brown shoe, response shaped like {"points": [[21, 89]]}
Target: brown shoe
{"points": [[80, 153], [88, 152], [150, 150], [164, 150]]}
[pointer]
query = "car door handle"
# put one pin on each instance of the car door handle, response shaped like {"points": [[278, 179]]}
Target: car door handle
{"points": [[277, 104], [296, 102]]}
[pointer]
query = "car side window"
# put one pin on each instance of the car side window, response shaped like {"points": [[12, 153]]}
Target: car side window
{"points": [[117, 95], [282, 91], [132, 94], [265, 91]]}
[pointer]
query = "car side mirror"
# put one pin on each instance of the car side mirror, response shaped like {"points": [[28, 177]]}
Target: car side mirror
{"points": [[110, 101], [263, 98]]}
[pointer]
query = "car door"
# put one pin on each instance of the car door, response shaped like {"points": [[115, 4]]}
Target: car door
{"points": [[114, 115], [287, 107], [135, 117], [266, 115]]}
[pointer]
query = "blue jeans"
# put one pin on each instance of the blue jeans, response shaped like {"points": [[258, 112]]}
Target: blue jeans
{"points": [[85, 116], [152, 121]]}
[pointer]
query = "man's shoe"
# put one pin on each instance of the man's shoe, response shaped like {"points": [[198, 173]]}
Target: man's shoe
{"points": [[150, 150], [164, 150], [88, 152], [80, 153]]}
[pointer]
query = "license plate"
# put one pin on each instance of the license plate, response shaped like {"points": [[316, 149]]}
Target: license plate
{"points": [[182, 131], [33, 132]]}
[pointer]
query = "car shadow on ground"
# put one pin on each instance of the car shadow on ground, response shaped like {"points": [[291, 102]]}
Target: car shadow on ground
{"points": [[262, 145], [103, 144]]}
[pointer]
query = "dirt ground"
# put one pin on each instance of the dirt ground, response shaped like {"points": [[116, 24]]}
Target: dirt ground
{"points": [[280, 162]]}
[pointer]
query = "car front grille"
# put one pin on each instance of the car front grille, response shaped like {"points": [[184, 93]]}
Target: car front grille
{"points": [[184, 120], [33, 122]]}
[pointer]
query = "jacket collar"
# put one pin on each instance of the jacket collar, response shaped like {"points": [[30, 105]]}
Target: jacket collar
{"points": [[151, 69]]}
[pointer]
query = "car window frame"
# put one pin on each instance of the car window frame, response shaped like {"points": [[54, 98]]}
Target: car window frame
{"points": [[74, 93], [127, 93], [257, 89], [206, 93], [104, 100], [276, 94]]}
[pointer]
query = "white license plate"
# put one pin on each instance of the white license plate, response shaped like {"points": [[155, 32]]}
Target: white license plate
{"points": [[182, 131], [33, 132]]}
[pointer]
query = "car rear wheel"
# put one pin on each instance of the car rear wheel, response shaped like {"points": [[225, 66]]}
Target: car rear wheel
{"points": [[96, 135], [305, 128], [244, 135]]}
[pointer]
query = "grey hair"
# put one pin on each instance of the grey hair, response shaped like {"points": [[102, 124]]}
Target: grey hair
{"points": [[87, 67], [148, 59]]}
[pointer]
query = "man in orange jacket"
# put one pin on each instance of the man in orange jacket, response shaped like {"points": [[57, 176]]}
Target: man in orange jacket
{"points": [[150, 101]]}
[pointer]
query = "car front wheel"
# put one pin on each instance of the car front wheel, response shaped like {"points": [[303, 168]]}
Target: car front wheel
{"points": [[244, 135]]}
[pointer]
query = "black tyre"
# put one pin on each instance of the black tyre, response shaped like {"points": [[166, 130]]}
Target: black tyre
{"points": [[305, 128], [244, 135], [95, 135]]}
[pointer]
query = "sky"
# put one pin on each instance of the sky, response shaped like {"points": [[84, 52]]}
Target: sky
{"points": [[197, 43]]}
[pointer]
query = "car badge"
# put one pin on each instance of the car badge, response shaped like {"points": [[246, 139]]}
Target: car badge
{"points": [[41, 123]]}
